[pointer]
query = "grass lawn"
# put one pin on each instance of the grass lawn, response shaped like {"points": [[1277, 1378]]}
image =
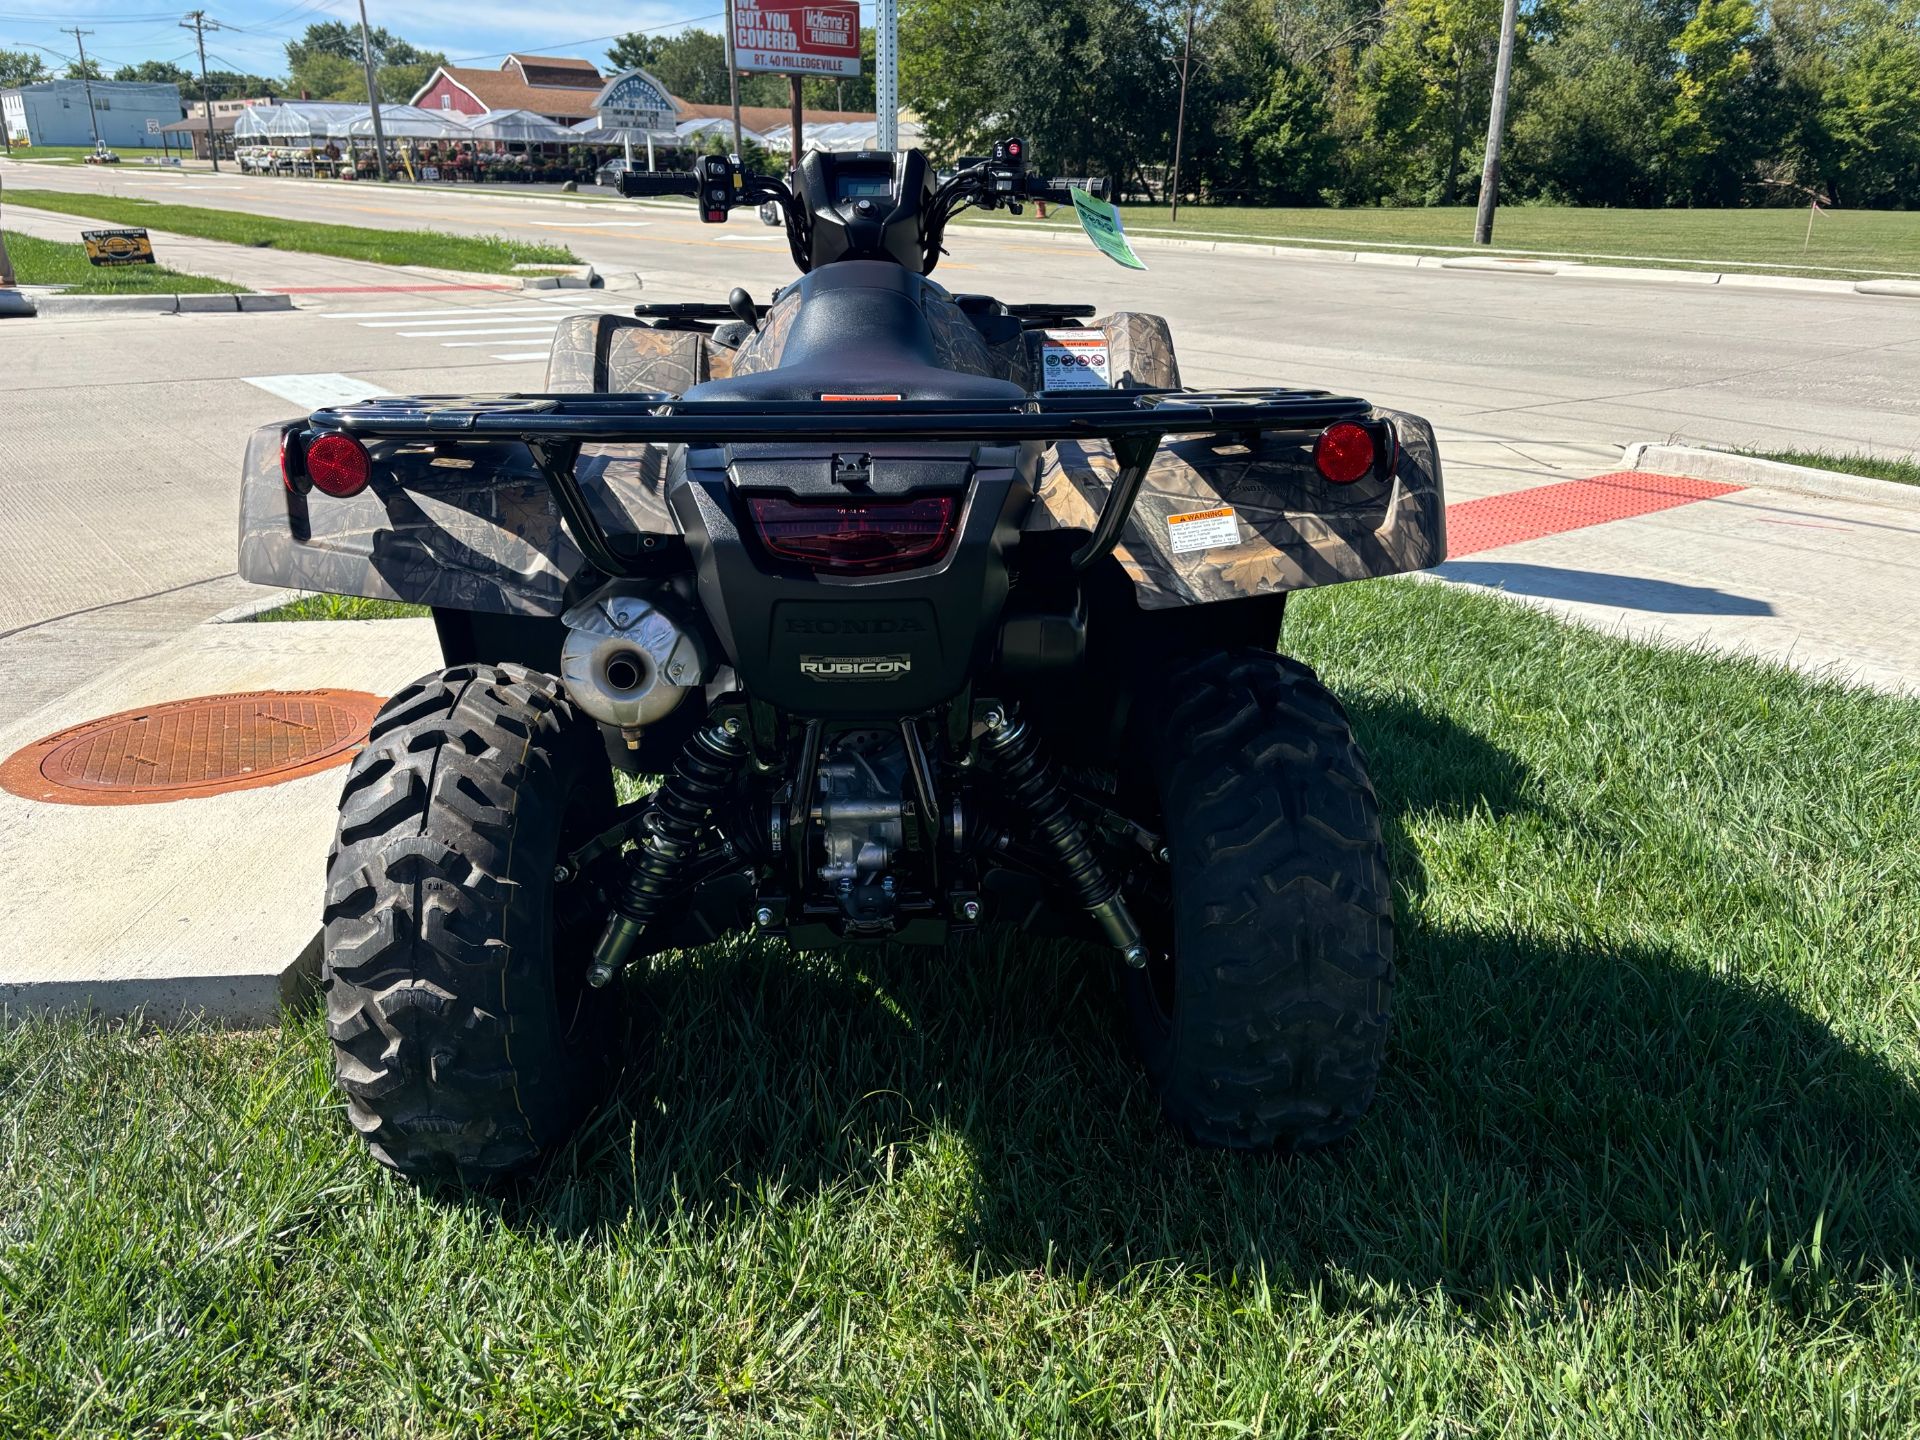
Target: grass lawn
{"points": [[54, 262], [1645, 1161], [490, 254], [1845, 242], [1907, 471], [343, 607]]}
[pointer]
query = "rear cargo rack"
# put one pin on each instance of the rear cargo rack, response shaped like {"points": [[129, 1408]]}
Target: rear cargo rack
{"points": [[554, 427]]}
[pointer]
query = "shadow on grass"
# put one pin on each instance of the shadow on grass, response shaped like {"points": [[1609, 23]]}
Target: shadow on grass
{"points": [[1549, 1109]]}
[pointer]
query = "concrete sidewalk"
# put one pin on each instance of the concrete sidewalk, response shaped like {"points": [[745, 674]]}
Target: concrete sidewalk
{"points": [[1822, 583], [207, 906]]}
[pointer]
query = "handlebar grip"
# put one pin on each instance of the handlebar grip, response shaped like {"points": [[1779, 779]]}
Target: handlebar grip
{"points": [[664, 182]]}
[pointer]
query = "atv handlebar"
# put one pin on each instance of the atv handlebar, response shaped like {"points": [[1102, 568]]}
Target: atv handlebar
{"points": [[719, 184], [662, 182]]}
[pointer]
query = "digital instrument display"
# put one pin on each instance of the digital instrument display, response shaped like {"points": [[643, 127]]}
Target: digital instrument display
{"points": [[862, 187]]}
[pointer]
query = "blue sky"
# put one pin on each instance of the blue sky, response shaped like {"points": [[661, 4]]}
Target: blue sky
{"points": [[477, 31]]}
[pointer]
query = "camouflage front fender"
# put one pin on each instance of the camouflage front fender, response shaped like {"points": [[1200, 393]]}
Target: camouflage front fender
{"points": [[475, 531], [1279, 526]]}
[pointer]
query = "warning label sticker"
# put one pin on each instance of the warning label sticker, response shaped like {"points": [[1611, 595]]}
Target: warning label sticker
{"points": [[1074, 360], [1203, 530]]}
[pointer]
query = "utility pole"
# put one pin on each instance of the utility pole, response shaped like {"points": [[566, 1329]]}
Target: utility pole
{"points": [[86, 78], [1180, 124], [733, 82], [373, 94], [886, 72], [197, 22], [1496, 126]]}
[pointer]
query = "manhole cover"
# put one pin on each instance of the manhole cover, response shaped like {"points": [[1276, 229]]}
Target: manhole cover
{"points": [[189, 748]]}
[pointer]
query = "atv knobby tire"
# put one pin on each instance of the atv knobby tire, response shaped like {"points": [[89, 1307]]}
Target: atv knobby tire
{"points": [[462, 1035], [1265, 1024]]}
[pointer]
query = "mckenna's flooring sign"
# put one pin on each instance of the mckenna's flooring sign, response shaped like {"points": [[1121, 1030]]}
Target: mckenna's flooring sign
{"points": [[118, 247]]}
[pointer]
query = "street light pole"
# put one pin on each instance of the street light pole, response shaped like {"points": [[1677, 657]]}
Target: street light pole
{"points": [[1180, 124], [86, 79], [373, 94], [1496, 126], [197, 22]]}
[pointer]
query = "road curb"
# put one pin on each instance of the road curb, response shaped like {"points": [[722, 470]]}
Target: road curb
{"points": [[219, 303], [253, 609], [1696, 463]]}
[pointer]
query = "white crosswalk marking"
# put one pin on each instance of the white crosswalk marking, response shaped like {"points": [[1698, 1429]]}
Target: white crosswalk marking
{"points": [[481, 330], [513, 323]]}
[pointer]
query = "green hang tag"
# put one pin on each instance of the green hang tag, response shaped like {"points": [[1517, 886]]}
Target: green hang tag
{"points": [[1101, 221]]}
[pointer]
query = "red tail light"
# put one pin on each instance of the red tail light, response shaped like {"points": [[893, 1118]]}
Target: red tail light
{"points": [[1344, 452], [856, 537], [339, 465]]}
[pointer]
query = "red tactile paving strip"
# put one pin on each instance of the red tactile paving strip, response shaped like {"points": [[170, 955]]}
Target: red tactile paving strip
{"points": [[1496, 520], [186, 749]]}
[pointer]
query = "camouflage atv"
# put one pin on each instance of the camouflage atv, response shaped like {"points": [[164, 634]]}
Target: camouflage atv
{"points": [[929, 611]]}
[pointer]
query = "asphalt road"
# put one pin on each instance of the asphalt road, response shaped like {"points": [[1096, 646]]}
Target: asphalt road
{"points": [[120, 440]]}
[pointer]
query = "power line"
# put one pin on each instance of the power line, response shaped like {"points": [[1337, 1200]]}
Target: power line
{"points": [[589, 40], [99, 20]]}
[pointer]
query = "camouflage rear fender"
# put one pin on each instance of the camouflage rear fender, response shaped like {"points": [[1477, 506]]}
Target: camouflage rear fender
{"points": [[1294, 530], [479, 531]]}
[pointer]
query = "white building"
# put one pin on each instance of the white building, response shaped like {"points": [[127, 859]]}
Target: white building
{"points": [[55, 112]]}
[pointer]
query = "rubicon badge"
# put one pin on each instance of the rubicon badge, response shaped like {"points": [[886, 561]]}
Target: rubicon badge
{"points": [[855, 667]]}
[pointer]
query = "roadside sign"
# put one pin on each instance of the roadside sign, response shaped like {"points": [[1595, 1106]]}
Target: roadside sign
{"points": [[1101, 221], [153, 126], [797, 37], [118, 247], [635, 100]]}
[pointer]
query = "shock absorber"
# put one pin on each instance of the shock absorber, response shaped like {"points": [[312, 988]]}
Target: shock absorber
{"points": [[1030, 784], [669, 839]]}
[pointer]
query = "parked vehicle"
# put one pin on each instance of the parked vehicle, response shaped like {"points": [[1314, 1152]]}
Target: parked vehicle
{"points": [[609, 174], [928, 611]]}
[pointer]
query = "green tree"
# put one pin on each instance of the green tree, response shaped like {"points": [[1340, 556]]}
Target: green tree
{"points": [[1422, 97], [1716, 126], [1258, 118], [1871, 115], [21, 67], [1090, 84], [158, 72], [1599, 80], [233, 85], [325, 63], [89, 71], [693, 65], [844, 92]]}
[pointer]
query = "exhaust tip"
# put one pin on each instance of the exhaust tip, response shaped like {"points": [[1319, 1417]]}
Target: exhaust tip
{"points": [[626, 671]]}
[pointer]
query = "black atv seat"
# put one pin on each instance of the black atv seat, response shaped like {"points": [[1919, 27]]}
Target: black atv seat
{"points": [[860, 330]]}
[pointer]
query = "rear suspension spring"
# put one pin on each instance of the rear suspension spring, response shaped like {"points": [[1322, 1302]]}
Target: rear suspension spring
{"points": [[669, 840], [1031, 785]]}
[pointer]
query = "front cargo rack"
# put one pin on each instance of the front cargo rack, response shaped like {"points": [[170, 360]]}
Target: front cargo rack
{"points": [[554, 427]]}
